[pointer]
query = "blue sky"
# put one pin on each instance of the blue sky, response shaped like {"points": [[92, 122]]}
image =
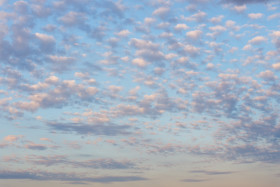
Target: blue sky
{"points": [[139, 93]]}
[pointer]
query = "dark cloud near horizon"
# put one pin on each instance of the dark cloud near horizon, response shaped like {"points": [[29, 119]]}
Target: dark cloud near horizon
{"points": [[212, 172], [41, 176], [195, 180], [102, 163]]}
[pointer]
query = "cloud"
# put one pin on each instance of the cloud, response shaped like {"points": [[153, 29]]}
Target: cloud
{"points": [[162, 11], [87, 129], [255, 15], [133, 77], [181, 26], [12, 138], [195, 180], [212, 172], [103, 163], [276, 66], [240, 2], [267, 75], [194, 34], [200, 16], [47, 42], [41, 176], [139, 62], [34, 146], [123, 33], [240, 8], [217, 19], [257, 40], [143, 44]]}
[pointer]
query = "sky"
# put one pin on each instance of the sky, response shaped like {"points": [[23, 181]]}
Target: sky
{"points": [[116, 93]]}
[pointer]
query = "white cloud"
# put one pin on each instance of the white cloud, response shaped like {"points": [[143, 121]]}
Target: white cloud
{"points": [[139, 62], [198, 17], [240, 8], [255, 15], [161, 11], [44, 37], [217, 19], [123, 33], [276, 66], [181, 26], [217, 28], [257, 40], [194, 34]]}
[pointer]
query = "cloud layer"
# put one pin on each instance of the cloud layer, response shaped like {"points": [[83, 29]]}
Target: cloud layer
{"points": [[126, 91]]}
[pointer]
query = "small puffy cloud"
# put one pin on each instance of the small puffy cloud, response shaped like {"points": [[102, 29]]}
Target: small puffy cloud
{"points": [[40, 10], [45, 38], [194, 34], [115, 89], [73, 18], [52, 79], [276, 66], [276, 38], [60, 63], [198, 17], [267, 75], [166, 35], [162, 11], [47, 42], [247, 47], [257, 40], [170, 56], [210, 66], [240, 8], [150, 55], [21, 7], [192, 50], [232, 25], [143, 44], [12, 138], [275, 34], [273, 16], [217, 28], [46, 139], [181, 26], [217, 19], [255, 15], [140, 62], [149, 21], [82, 75], [123, 33]]}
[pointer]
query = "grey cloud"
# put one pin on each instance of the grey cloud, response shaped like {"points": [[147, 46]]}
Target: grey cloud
{"points": [[41, 10], [212, 172], [93, 163], [98, 33], [112, 8], [40, 176], [97, 129], [195, 180], [36, 147], [106, 164], [75, 19]]}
